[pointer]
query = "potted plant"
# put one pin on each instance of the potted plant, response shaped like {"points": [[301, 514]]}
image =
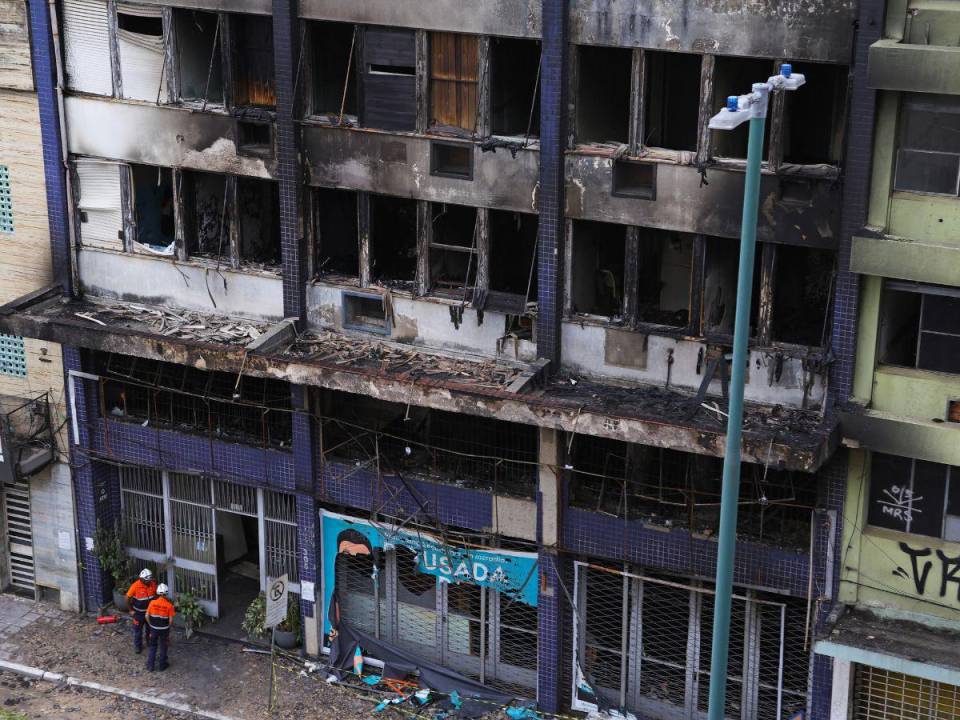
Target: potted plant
{"points": [[288, 631], [255, 617], [191, 611], [110, 552]]}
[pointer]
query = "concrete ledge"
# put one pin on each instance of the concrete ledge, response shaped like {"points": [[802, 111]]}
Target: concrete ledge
{"points": [[906, 260], [935, 442], [914, 68], [893, 663]]}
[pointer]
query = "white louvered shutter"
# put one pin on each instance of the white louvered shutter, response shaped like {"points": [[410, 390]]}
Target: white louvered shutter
{"points": [[86, 37], [141, 58], [100, 204]]}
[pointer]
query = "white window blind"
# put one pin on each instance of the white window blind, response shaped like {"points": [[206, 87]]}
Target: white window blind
{"points": [[101, 218], [86, 37]]}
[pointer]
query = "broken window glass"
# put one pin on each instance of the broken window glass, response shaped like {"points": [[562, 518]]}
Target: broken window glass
{"points": [[206, 215], [919, 327], [153, 208], [664, 268], [515, 92], [253, 61], [672, 107], [596, 282], [454, 80], [803, 284], [199, 57], [334, 69], [393, 241], [603, 96], [928, 159], [259, 219], [337, 247], [814, 115]]}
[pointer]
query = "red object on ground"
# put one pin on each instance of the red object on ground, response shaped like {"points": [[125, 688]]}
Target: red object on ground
{"points": [[107, 619]]}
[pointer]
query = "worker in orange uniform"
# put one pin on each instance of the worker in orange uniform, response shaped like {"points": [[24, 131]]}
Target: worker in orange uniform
{"points": [[160, 615], [141, 592]]}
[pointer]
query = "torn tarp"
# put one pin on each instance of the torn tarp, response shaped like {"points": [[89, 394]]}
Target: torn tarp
{"points": [[475, 699]]}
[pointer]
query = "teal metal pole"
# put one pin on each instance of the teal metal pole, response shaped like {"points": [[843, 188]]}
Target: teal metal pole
{"points": [[731, 459]]}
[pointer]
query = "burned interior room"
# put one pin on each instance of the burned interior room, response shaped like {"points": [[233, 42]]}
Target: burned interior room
{"points": [[207, 214], [513, 261], [259, 223], [672, 111], [603, 94], [453, 247], [515, 87], [598, 257], [664, 273], [393, 241], [334, 70], [335, 233], [253, 75], [153, 204], [199, 56]]}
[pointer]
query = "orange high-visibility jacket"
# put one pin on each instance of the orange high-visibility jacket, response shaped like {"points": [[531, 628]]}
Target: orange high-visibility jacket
{"points": [[141, 593], [160, 614]]}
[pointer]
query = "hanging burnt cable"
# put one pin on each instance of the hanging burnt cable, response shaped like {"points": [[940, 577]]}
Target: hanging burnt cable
{"points": [[213, 55], [473, 251], [346, 79], [533, 104], [163, 70], [296, 77]]}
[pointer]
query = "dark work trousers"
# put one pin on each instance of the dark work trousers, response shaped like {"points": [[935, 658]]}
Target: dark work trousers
{"points": [[158, 640], [139, 627]]}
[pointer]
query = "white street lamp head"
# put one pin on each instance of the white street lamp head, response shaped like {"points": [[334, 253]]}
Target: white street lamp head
{"points": [[741, 108]]}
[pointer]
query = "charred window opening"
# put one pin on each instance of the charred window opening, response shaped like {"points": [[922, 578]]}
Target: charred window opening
{"points": [[802, 287], [153, 203], [453, 247], [720, 287], [734, 76], [140, 25], [603, 95], [453, 160], [677, 489], [253, 61], [634, 179], [515, 95], [254, 138], [454, 81], [596, 282], [199, 38], [337, 240], [259, 206], [814, 116], [664, 269], [334, 69], [186, 399], [513, 245], [206, 215], [446, 447], [365, 312], [920, 326], [672, 110], [393, 241], [389, 98], [928, 156]]}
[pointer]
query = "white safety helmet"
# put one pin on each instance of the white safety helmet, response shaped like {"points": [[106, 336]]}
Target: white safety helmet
{"points": [[145, 574], [162, 589]]}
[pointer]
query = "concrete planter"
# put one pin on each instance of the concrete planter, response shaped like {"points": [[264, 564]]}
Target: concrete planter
{"points": [[286, 639]]}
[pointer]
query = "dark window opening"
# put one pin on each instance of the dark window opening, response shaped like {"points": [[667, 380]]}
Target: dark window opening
{"points": [[597, 269], [207, 215], [634, 179], [720, 287], [920, 327], [254, 138], [735, 76], [389, 99], [153, 200], [393, 241], [453, 261], [515, 97], [801, 294], [928, 158], [447, 447], [603, 96], [259, 202], [914, 496], [253, 61], [678, 489], [139, 24], [513, 262], [454, 80], [334, 70], [453, 160], [365, 312], [198, 55], [174, 396], [814, 116], [664, 269], [337, 241], [672, 103]]}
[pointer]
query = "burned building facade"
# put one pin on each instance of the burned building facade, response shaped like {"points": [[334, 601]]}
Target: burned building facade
{"points": [[344, 284]]}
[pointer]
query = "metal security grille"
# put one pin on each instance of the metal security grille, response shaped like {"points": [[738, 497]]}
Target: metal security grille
{"points": [[6, 201], [235, 498], [643, 643], [13, 358], [886, 695], [19, 534]]}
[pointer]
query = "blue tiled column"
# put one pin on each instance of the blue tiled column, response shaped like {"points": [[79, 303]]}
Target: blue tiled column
{"points": [[285, 54], [553, 132], [44, 71], [305, 474], [551, 607]]}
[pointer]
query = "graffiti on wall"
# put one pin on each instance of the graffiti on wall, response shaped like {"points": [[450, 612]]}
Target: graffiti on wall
{"points": [[927, 582], [899, 503]]}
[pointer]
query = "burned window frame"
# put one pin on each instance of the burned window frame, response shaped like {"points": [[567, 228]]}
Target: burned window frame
{"points": [[924, 290]]}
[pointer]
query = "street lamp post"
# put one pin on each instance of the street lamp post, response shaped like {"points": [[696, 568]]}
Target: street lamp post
{"points": [[752, 107]]}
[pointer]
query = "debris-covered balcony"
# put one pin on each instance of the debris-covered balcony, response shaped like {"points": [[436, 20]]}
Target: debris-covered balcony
{"points": [[27, 437]]}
